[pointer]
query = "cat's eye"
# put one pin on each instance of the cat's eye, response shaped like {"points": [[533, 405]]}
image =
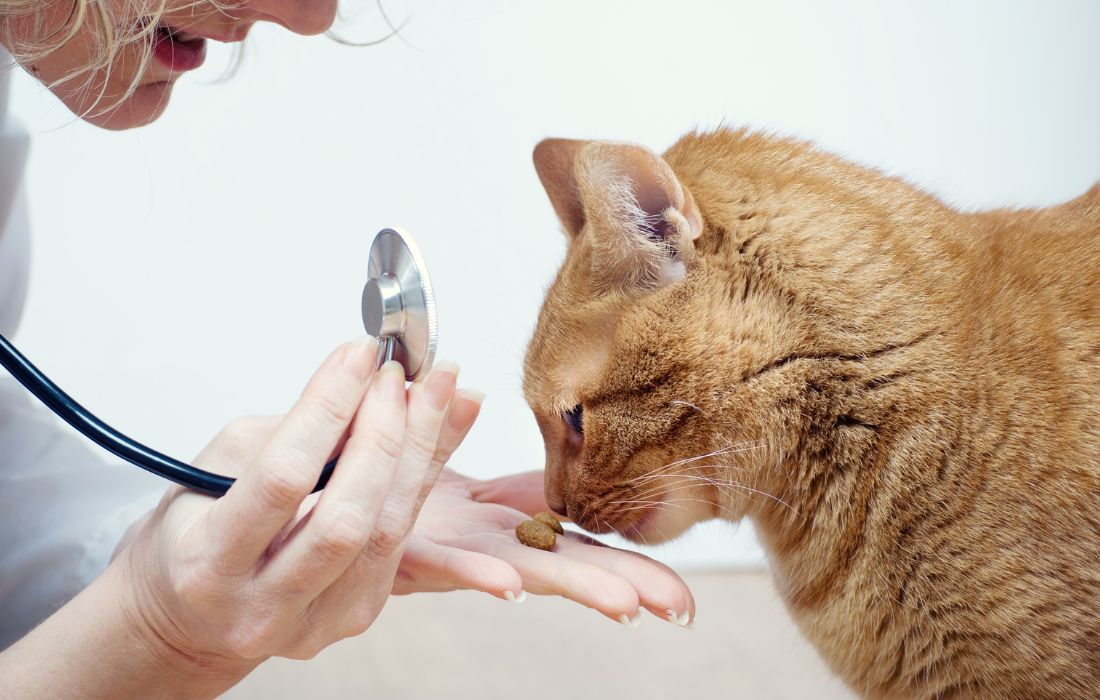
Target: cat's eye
{"points": [[574, 418]]}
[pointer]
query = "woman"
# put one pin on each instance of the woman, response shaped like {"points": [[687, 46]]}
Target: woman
{"points": [[204, 590]]}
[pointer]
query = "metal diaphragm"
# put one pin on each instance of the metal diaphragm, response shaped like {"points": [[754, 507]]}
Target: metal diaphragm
{"points": [[398, 303]]}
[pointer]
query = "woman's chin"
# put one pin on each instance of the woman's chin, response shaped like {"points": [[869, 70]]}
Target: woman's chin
{"points": [[144, 106]]}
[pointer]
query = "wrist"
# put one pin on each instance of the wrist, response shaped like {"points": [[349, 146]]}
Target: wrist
{"points": [[105, 644], [153, 634]]}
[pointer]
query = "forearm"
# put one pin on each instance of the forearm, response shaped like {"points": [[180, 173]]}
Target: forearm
{"points": [[100, 646]]}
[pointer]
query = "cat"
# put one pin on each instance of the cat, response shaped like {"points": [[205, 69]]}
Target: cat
{"points": [[903, 398]]}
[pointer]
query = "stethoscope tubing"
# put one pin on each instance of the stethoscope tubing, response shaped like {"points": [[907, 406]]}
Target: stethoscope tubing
{"points": [[112, 440]]}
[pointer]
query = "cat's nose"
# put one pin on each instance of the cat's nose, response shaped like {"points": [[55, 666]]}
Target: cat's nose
{"points": [[558, 507], [555, 499], [552, 489]]}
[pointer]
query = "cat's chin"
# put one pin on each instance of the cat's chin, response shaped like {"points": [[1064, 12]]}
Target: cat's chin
{"points": [[662, 523]]}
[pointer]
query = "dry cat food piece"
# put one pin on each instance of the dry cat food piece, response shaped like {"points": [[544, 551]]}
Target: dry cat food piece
{"points": [[550, 522], [535, 533]]}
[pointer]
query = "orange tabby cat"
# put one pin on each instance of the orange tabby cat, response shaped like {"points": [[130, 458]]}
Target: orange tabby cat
{"points": [[904, 399]]}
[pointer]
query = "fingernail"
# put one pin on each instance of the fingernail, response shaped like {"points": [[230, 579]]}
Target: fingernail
{"points": [[676, 619], [359, 356], [631, 622], [393, 367], [464, 408], [508, 595], [440, 384], [472, 395], [390, 381]]}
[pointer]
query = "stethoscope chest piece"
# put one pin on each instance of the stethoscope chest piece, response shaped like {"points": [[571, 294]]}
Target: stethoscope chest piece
{"points": [[398, 303]]}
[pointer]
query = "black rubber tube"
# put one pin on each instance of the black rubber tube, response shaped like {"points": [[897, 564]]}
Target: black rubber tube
{"points": [[110, 439]]}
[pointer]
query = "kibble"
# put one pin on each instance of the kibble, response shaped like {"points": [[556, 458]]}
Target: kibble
{"points": [[551, 522], [535, 533]]}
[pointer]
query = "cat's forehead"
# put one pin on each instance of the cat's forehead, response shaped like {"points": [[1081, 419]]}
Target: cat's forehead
{"points": [[581, 339], [569, 350]]}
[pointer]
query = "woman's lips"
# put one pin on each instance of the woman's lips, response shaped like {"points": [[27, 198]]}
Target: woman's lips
{"points": [[178, 50]]}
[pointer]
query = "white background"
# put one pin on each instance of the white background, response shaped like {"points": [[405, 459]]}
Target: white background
{"points": [[200, 268]]}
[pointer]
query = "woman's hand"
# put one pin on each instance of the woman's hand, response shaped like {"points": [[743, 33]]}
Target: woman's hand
{"points": [[465, 539], [207, 589], [271, 570]]}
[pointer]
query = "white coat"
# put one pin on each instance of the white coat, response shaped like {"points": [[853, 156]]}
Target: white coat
{"points": [[63, 504]]}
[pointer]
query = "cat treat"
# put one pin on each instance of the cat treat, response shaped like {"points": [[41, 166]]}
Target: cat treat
{"points": [[551, 522], [537, 534]]}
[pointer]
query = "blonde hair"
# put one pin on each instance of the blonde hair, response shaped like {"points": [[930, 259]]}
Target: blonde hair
{"points": [[116, 25]]}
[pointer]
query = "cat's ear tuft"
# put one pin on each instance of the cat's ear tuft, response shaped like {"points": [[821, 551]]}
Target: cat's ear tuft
{"points": [[555, 163], [642, 219]]}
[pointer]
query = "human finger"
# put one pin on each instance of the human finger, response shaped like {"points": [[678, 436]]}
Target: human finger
{"points": [[347, 514], [461, 415], [428, 407], [416, 471], [660, 590], [523, 491], [548, 573], [266, 497], [429, 566]]}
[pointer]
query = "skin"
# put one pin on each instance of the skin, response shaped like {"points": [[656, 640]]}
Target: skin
{"points": [[204, 590], [154, 80]]}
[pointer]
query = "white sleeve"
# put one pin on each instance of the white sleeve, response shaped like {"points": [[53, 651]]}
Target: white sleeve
{"points": [[63, 508]]}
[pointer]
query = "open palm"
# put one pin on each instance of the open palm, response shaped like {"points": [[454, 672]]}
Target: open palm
{"points": [[464, 538]]}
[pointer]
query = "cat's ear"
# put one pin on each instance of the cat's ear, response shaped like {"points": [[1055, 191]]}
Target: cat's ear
{"points": [[555, 163], [642, 220]]}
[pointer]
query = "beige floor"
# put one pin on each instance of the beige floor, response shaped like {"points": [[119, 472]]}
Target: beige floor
{"points": [[466, 645]]}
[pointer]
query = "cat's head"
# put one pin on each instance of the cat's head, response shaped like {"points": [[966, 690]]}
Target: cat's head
{"points": [[628, 372]]}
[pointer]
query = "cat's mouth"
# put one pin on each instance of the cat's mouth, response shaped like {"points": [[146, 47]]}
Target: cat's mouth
{"points": [[635, 524], [646, 515], [640, 530], [641, 522]]}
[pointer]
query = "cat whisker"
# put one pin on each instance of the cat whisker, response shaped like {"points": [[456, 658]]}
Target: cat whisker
{"points": [[655, 504], [677, 402], [722, 450], [672, 480], [615, 530], [658, 492], [728, 468], [722, 487], [719, 506], [676, 503], [698, 477], [730, 449], [672, 469], [664, 487], [767, 495], [651, 505]]}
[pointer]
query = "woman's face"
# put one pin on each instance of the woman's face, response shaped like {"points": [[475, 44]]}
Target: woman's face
{"points": [[179, 46]]}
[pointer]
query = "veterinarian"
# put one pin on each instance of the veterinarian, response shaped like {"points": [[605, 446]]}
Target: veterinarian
{"points": [[111, 589]]}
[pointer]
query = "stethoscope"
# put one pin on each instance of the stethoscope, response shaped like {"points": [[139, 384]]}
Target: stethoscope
{"points": [[398, 309]]}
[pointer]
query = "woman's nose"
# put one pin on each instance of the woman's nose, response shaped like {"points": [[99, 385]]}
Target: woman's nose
{"points": [[299, 16]]}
